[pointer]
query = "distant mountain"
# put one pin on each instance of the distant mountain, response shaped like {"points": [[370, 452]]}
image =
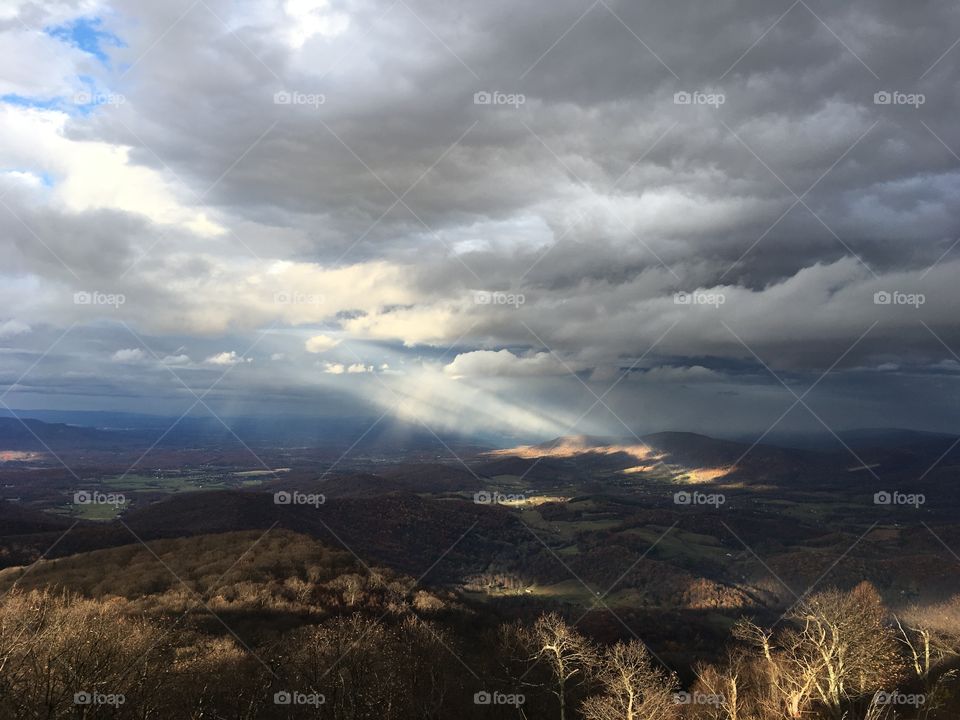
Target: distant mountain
{"points": [[893, 437], [695, 456], [30, 434], [854, 438], [869, 458], [116, 430], [104, 420]]}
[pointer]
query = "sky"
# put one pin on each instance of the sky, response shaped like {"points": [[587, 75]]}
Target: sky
{"points": [[533, 219]]}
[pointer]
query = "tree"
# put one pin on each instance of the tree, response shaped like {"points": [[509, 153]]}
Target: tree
{"points": [[367, 669], [633, 688], [839, 645], [731, 687], [568, 656], [931, 635], [55, 647]]}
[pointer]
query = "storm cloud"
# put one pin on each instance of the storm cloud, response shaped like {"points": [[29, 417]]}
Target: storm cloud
{"points": [[497, 212]]}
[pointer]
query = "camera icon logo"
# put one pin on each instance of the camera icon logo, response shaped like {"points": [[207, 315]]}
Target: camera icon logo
{"points": [[682, 498], [282, 698], [482, 698], [682, 98], [882, 298], [482, 98], [882, 498], [882, 97], [82, 298], [82, 497], [483, 497], [82, 698], [282, 498], [282, 98], [482, 297]]}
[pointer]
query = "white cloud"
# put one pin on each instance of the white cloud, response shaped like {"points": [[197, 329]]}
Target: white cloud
{"points": [[321, 343], [949, 364], [503, 363], [226, 358], [129, 355], [334, 368], [425, 323], [313, 17], [37, 65], [673, 373], [14, 327], [90, 174], [55, 12], [180, 359]]}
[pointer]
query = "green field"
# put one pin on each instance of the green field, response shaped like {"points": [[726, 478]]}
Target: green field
{"points": [[186, 483], [189, 482], [91, 511], [681, 544], [134, 486]]}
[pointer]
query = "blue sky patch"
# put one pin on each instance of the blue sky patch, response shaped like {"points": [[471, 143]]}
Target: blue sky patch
{"points": [[45, 178], [41, 103], [88, 35]]}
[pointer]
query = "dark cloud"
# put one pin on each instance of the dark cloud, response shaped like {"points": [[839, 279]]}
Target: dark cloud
{"points": [[374, 199]]}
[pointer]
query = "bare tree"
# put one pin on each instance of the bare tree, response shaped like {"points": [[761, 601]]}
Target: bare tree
{"points": [[568, 655], [839, 645], [633, 688], [731, 686], [367, 669], [920, 646], [54, 648], [930, 634]]}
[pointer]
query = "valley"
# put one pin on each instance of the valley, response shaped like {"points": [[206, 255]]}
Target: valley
{"points": [[675, 539]]}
